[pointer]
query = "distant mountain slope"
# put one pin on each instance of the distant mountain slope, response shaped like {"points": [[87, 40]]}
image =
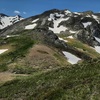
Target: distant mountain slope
{"points": [[6, 20], [85, 26]]}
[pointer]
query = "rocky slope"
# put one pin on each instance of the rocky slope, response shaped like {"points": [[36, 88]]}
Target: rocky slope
{"points": [[85, 26]]}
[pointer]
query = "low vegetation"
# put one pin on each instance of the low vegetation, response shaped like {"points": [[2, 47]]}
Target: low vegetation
{"points": [[48, 76], [19, 45], [78, 82], [81, 47]]}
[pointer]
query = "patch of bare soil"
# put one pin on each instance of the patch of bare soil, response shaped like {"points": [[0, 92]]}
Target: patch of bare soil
{"points": [[7, 76]]}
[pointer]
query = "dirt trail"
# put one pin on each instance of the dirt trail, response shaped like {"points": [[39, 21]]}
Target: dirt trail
{"points": [[7, 76]]}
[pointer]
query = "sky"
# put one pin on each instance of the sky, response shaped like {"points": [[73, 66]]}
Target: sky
{"points": [[27, 8]]}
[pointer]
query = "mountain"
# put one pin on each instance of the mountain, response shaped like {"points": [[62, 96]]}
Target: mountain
{"points": [[6, 20], [82, 26], [85, 25], [51, 56], [77, 33]]}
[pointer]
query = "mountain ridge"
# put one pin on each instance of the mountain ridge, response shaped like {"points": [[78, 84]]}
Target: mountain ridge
{"points": [[69, 22]]}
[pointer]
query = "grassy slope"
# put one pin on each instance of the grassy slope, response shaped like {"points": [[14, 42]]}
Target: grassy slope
{"points": [[39, 58], [18, 46], [81, 46], [79, 82]]}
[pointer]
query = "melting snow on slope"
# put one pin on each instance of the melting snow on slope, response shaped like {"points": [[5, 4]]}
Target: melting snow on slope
{"points": [[71, 37], [77, 13], [88, 16], [35, 20], [3, 50], [56, 22], [52, 16], [63, 39], [7, 21], [97, 48], [67, 12], [72, 31], [97, 39], [57, 29], [31, 26], [71, 58], [11, 36], [96, 18], [87, 24]]}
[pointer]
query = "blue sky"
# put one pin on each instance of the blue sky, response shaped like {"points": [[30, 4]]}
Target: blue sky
{"points": [[28, 8]]}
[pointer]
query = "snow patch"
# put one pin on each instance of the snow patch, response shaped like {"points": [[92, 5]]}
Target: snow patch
{"points": [[97, 48], [96, 18], [72, 31], [71, 37], [97, 39], [88, 16], [77, 13], [59, 15], [63, 39], [31, 26], [86, 24], [11, 36], [35, 20], [3, 50], [7, 21], [57, 29], [52, 16], [67, 12], [71, 58]]}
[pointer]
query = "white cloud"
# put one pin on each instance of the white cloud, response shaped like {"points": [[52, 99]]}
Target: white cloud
{"points": [[24, 12], [17, 12]]}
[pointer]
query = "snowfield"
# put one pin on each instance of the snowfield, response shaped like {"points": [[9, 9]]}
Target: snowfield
{"points": [[35, 20], [3, 50], [71, 37], [67, 12], [97, 48], [56, 22], [8, 36], [96, 18], [31, 26], [97, 39], [7, 21], [72, 31], [86, 24], [71, 58], [63, 39]]}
